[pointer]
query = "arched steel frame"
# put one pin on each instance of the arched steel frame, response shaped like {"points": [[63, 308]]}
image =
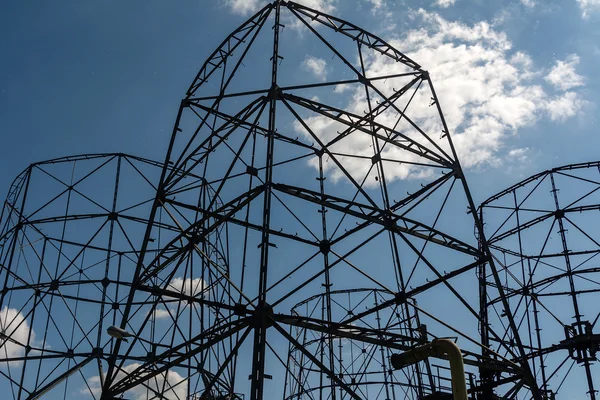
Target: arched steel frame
{"points": [[275, 191], [258, 141], [69, 242], [543, 235]]}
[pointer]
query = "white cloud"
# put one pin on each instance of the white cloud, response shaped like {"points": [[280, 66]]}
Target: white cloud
{"points": [[13, 325], [187, 286], [563, 75], [528, 3], [487, 91], [383, 11], [162, 313], [565, 106], [327, 6], [445, 3], [342, 88], [175, 388], [519, 154], [245, 7], [588, 6], [376, 4], [317, 66]]}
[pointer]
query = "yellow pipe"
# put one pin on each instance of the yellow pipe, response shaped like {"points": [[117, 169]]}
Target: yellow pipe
{"points": [[457, 367], [438, 348]]}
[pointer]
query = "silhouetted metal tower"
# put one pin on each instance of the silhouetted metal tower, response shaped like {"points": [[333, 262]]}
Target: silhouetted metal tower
{"points": [[299, 191], [544, 237], [70, 230], [309, 205]]}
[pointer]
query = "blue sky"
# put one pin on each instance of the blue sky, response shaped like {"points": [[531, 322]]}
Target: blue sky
{"points": [[517, 80]]}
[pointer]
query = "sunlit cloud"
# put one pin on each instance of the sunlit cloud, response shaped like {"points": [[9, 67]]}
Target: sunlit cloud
{"points": [[15, 335]]}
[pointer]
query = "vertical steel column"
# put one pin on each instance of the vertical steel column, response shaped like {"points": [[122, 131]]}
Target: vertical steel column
{"points": [[559, 217], [485, 375], [261, 316]]}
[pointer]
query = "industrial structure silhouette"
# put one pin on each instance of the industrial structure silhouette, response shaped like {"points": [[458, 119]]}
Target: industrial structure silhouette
{"points": [[293, 240]]}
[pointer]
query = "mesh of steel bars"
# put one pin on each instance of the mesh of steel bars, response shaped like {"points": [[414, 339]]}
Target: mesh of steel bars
{"points": [[543, 235], [364, 364], [69, 243], [238, 268]]}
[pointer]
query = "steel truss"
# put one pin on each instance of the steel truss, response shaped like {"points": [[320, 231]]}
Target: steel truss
{"points": [[543, 236], [278, 190], [364, 364], [69, 242], [303, 188]]}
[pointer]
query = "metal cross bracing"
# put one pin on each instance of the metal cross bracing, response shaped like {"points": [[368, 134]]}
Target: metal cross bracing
{"points": [[363, 364], [298, 172], [69, 241], [288, 181], [543, 233]]}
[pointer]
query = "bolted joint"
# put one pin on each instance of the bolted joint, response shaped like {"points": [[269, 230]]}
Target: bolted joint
{"points": [[196, 238], [161, 197], [252, 170], [54, 285], [325, 246], [240, 309], [388, 221], [98, 351], [376, 158], [275, 93], [400, 298], [263, 316]]}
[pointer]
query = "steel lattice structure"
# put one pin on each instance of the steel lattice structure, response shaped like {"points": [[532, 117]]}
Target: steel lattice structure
{"points": [[543, 235], [285, 187], [365, 365], [69, 241], [303, 188]]}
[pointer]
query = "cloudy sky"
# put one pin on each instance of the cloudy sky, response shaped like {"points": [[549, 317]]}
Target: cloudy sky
{"points": [[517, 80]]}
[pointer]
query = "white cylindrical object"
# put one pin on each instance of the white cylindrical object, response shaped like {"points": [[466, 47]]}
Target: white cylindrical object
{"points": [[118, 333]]}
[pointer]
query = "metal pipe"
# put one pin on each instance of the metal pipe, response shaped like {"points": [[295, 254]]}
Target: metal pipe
{"points": [[438, 348], [457, 367]]}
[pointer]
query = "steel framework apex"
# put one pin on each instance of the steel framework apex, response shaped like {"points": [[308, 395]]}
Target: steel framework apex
{"points": [[299, 187], [298, 216]]}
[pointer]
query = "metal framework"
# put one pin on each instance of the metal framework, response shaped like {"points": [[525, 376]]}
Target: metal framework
{"points": [[543, 233], [296, 188], [365, 365], [291, 183], [69, 238]]}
